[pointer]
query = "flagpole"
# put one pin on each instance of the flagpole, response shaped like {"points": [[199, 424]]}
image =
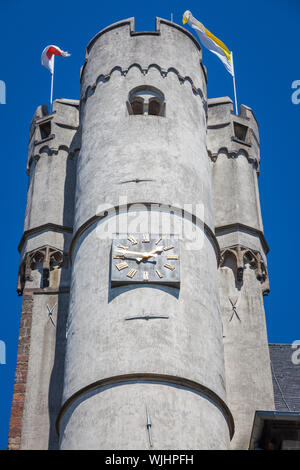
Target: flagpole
{"points": [[52, 79], [234, 86]]}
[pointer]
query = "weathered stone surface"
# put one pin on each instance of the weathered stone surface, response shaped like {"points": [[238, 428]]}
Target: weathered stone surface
{"points": [[169, 153], [196, 357], [243, 268]]}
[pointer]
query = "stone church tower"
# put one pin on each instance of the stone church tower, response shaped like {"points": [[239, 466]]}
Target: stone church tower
{"points": [[134, 335]]}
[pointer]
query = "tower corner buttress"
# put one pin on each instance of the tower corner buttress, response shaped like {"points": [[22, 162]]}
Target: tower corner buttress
{"points": [[234, 148], [44, 275]]}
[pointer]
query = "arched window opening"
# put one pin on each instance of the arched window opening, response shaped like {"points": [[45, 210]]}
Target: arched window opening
{"points": [[154, 107], [146, 100], [137, 106]]}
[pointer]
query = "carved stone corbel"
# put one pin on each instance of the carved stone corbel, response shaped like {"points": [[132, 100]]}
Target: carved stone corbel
{"points": [[49, 256], [243, 255]]}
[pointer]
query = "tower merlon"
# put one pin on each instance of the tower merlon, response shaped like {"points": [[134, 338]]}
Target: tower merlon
{"points": [[130, 23]]}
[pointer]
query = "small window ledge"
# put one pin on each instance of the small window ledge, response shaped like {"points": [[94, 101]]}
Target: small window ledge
{"points": [[239, 141], [50, 137]]}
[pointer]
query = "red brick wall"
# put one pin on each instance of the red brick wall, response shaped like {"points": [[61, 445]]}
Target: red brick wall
{"points": [[15, 425]]}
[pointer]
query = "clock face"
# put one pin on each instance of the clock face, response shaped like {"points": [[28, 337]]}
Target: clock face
{"points": [[145, 259]]}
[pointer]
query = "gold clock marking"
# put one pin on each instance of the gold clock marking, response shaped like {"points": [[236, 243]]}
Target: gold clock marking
{"points": [[145, 276], [159, 240], [132, 240], [166, 248], [123, 247], [169, 266], [119, 256], [160, 275], [146, 238], [121, 266], [172, 257], [132, 273]]}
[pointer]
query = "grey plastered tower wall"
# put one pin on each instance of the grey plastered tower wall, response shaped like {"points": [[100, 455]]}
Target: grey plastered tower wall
{"points": [[233, 145], [44, 275], [172, 366], [92, 163]]}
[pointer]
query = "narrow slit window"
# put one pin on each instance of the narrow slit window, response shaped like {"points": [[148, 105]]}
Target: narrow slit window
{"points": [[45, 130], [240, 131]]}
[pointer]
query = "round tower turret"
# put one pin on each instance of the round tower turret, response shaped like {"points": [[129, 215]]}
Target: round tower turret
{"points": [[144, 361]]}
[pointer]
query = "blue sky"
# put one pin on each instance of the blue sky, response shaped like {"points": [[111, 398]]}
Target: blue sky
{"points": [[264, 36]]}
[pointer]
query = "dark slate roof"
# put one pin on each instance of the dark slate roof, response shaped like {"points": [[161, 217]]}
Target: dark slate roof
{"points": [[286, 376]]}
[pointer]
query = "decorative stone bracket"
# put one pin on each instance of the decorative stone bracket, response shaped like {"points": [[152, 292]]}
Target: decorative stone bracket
{"points": [[50, 257], [243, 255]]}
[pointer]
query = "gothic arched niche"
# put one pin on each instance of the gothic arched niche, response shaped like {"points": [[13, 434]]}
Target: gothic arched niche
{"points": [[238, 258]]}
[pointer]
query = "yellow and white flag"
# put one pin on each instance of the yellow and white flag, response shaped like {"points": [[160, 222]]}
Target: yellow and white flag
{"points": [[208, 40]]}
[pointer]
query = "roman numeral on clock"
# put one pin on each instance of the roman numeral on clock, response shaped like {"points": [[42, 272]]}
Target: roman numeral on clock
{"points": [[132, 273], [121, 266], [169, 266], [166, 248], [132, 240], [146, 238], [123, 247]]}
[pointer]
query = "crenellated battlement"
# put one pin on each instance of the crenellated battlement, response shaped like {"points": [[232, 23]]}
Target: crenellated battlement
{"points": [[169, 47], [51, 132], [227, 132], [129, 23]]}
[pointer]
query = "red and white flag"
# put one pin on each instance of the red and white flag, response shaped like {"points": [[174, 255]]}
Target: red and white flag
{"points": [[48, 56]]}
